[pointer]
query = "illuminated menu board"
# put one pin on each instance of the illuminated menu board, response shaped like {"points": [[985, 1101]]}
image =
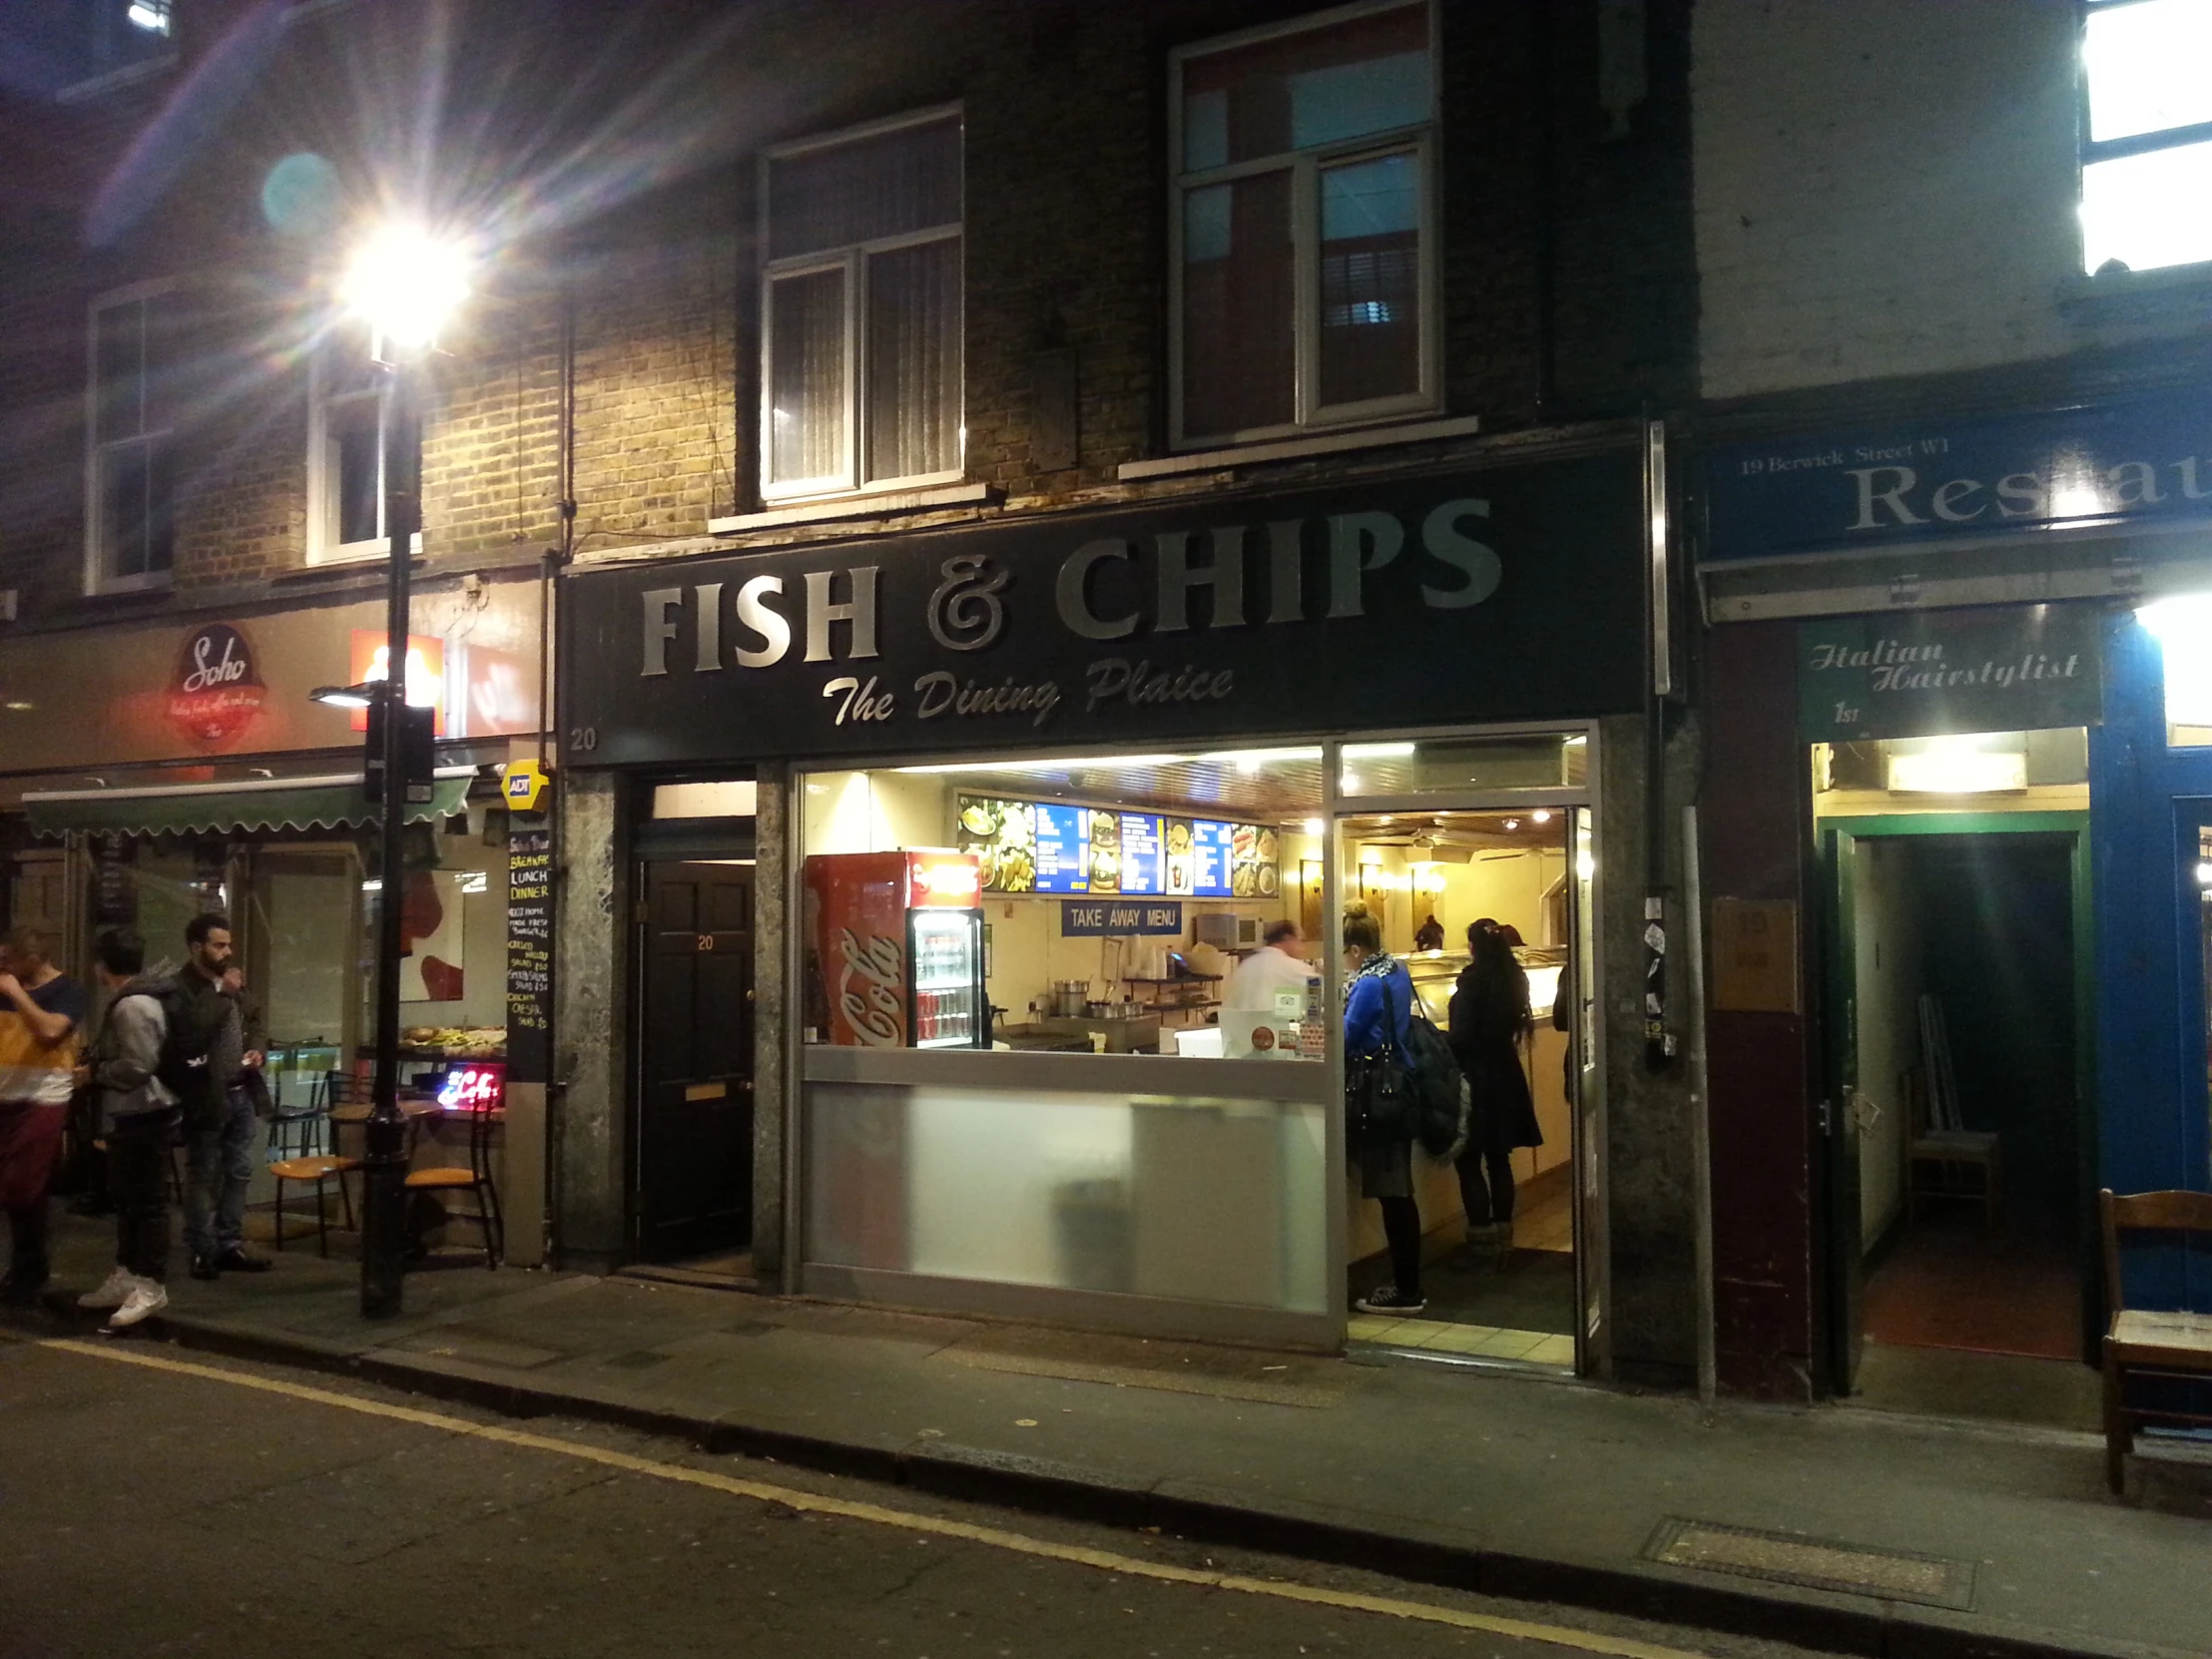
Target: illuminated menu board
{"points": [[1210, 849], [1038, 846], [1064, 849], [1141, 867]]}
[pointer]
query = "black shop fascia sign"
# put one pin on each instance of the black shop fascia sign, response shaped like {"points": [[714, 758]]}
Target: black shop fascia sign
{"points": [[1482, 595]]}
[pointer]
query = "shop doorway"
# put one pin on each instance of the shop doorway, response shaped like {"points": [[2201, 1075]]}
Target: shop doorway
{"points": [[693, 1152], [1500, 1274], [1958, 1152]]}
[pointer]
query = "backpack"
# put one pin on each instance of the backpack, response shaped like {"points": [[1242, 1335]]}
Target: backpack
{"points": [[193, 1018], [1439, 1091]]}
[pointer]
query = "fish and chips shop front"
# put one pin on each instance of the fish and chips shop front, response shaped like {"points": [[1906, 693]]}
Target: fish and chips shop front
{"points": [[1015, 808]]}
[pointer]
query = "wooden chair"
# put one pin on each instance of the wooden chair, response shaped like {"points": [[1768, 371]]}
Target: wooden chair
{"points": [[337, 1090], [475, 1178], [1935, 1160], [2138, 1343]]}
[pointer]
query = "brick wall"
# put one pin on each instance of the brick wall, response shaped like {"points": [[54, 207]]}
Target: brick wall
{"points": [[1885, 187], [636, 237]]}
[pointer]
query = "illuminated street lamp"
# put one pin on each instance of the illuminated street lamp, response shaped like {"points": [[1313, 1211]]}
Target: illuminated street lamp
{"points": [[405, 284]]}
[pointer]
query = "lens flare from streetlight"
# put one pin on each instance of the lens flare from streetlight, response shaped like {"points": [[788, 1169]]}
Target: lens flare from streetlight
{"points": [[406, 283]]}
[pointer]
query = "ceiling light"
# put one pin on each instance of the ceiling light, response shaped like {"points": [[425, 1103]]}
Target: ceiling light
{"points": [[1542, 815], [1956, 766], [1250, 761], [1377, 751], [1068, 764], [1315, 827], [345, 696]]}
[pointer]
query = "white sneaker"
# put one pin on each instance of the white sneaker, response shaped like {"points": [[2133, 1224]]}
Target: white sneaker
{"points": [[113, 1291], [144, 1301]]}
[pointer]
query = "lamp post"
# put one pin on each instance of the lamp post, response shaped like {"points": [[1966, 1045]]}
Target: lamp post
{"points": [[403, 285]]}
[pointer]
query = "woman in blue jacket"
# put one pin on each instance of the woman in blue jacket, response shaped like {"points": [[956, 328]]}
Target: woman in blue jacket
{"points": [[1378, 1006]]}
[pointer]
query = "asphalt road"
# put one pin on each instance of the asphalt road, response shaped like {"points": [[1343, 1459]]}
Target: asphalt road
{"points": [[148, 1509]]}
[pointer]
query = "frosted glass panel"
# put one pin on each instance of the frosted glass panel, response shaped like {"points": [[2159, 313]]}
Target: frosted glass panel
{"points": [[304, 991], [1188, 1199]]}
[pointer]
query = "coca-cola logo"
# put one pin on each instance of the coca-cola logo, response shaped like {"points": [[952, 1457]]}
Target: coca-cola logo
{"points": [[216, 692], [871, 975]]}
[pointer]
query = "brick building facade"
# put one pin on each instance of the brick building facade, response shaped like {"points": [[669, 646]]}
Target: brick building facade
{"points": [[602, 398]]}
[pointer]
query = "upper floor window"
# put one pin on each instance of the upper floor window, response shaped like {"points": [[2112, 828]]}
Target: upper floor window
{"points": [[860, 312], [2146, 156], [1303, 226], [350, 456], [130, 488]]}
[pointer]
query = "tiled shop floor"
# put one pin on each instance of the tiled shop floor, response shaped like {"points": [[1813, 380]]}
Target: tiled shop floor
{"points": [[1476, 1342]]}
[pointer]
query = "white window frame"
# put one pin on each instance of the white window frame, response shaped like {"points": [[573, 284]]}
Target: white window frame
{"points": [[324, 546], [2135, 143], [852, 479], [1419, 139], [98, 577]]}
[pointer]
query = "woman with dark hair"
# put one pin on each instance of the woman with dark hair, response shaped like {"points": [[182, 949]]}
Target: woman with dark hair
{"points": [[1378, 1007], [1489, 1024]]}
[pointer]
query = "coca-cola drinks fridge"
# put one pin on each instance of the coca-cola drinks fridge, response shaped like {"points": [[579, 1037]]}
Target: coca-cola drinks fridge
{"points": [[898, 944]]}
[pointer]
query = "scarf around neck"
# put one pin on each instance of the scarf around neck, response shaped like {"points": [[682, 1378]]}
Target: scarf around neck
{"points": [[1378, 966]]}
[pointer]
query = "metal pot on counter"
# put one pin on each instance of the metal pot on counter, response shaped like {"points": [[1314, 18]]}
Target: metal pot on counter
{"points": [[1069, 999]]}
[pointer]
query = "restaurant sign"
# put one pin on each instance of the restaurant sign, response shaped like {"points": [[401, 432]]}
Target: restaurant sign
{"points": [[216, 691], [1925, 482], [2013, 668], [1499, 593]]}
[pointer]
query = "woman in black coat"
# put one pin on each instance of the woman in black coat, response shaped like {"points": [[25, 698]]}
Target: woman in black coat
{"points": [[1489, 1024]]}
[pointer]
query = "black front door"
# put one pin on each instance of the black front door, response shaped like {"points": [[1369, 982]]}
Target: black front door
{"points": [[694, 1107]]}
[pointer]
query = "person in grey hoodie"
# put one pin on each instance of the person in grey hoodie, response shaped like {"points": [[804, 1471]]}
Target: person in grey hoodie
{"points": [[139, 1118]]}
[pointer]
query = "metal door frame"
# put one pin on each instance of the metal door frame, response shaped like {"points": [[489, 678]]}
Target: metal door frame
{"points": [[1593, 1350], [1577, 804]]}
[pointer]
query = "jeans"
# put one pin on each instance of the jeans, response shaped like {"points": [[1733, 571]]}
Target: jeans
{"points": [[138, 1178], [219, 1164], [30, 1135]]}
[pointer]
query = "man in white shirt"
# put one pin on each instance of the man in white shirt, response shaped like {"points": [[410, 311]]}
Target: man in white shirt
{"points": [[1265, 994]]}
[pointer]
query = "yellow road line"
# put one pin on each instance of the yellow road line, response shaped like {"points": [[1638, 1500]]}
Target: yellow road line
{"points": [[932, 1525]]}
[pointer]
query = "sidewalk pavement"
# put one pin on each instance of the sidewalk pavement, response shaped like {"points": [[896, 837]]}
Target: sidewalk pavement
{"points": [[1985, 1540]]}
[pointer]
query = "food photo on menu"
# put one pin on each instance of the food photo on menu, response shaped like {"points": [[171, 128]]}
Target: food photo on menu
{"points": [[1182, 857], [1002, 835], [1105, 852]]}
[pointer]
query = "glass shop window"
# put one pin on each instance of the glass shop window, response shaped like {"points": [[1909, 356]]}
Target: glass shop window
{"points": [[1108, 905]]}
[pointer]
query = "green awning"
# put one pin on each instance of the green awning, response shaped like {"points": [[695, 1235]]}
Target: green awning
{"points": [[329, 803]]}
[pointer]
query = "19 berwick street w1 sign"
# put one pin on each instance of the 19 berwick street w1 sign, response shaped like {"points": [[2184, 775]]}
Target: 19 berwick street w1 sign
{"points": [[1506, 593]]}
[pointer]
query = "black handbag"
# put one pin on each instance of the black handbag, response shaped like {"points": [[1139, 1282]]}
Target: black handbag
{"points": [[1378, 1098]]}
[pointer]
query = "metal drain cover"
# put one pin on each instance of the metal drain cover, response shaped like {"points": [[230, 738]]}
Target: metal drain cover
{"points": [[1813, 1563]]}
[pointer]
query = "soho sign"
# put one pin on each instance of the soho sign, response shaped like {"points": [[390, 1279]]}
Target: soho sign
{"points": [[1172, 582]]}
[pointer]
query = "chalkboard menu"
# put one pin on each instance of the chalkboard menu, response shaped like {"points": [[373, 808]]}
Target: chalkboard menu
{"points": [[529, 949], [114, 883]]}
